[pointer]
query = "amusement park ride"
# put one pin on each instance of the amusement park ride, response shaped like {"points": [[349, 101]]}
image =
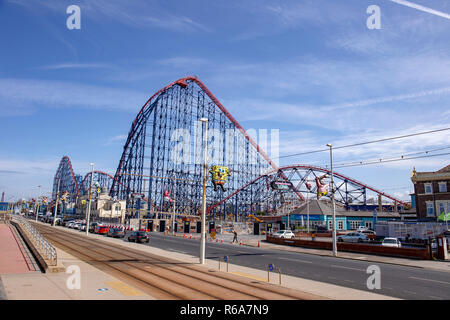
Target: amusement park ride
{"points": [[165, 140]]}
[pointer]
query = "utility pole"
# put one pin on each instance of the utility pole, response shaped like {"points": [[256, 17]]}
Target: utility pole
{"points": [[307, 208], [174, 199], [90, 198], [205, 167], [332, 202], [38, 205], [56, 204]]}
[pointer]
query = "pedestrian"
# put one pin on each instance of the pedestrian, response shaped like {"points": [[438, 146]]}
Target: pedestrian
{"points": [[235, 236]]}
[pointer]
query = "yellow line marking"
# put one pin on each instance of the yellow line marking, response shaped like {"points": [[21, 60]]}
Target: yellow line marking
{"points": [[249, 276], [123, 288]]}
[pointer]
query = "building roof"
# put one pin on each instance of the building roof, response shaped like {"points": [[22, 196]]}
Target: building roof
{"points": [[324, 207], [442, 174]]}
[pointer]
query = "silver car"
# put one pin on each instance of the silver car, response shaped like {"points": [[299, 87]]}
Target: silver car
{"points": [[353, 237], [284, 234]]}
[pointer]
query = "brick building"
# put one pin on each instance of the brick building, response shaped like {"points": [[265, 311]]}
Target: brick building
{"points": [[431, 193]]}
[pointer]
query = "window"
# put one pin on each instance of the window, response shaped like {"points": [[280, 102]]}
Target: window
{"points": [[354, 224], [428, 188], [442, 207], [340, 225], [430, 209], [442, 186], [330, 224]]}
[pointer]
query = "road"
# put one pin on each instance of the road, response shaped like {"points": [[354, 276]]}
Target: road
{"points": [[396, 281]]}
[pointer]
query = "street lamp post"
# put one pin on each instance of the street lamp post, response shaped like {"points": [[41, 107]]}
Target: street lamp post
{"points": [[90, 198], [307, 212], [38, 205], [56, 204], [205, 166], [332, 201], [174, 199]]}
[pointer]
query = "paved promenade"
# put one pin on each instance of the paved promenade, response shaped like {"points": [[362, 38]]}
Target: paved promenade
{"points": [[13, 258]]}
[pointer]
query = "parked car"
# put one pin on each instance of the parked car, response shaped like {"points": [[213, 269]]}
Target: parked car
{"points": [[101, 229], [391, 242], [320, 229], [370, 234], [93, 226], [353, 237], [82, 227], [116, 233], [139, 236], [284, 234], [361, 229]]}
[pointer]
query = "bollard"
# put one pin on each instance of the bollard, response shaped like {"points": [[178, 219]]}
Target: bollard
{"points": [[258, 244]]}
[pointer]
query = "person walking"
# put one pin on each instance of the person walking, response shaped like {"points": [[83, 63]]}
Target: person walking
{"points": [[235, 236]]}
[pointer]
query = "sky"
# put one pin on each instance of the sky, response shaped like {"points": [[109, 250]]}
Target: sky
{"points": [[313, 69]]}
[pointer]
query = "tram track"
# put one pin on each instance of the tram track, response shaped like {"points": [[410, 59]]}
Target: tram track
{"points": [[163, 277]]}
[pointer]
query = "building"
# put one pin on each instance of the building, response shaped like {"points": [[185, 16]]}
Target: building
{"points": [[431, 193], [103, 207], [320, 213]]}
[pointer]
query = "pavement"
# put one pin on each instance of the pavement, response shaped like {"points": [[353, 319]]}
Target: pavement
{"points": [[13, 256], [94, 284]]}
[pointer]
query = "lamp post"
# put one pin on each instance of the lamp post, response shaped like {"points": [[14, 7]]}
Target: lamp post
{"points": [[205, 166], [307, 212], [37, 210], [332, 202], [174, 199], [56, 204], [90, 198]]}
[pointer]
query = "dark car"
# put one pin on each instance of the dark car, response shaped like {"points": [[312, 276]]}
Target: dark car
{"points": [[320, 229], [139, 236], [116, 233]]}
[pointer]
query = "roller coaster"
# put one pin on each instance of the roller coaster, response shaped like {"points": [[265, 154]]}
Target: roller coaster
{"points": [[164, 152]]}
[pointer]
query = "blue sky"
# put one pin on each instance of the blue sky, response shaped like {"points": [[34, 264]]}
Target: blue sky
{"points": [[311, 69]]}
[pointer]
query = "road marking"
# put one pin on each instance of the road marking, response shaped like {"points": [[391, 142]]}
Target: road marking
{"points": [[429, 280], [434, 297], [296, 260], [350, 281], [123, 288], [344, 267], [249, 276]]}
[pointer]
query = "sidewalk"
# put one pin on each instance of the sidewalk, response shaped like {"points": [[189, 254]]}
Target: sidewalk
{"points": [[94, 284], [13, 259]]}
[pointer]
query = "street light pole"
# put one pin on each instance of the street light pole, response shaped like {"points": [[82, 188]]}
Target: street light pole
{"points": [[56, 204], [38, 205], [205, 166], [90, 198], [174, 199], [332, 202]]}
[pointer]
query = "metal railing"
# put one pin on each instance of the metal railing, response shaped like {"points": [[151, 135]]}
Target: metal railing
{"points": [[42, 245]]}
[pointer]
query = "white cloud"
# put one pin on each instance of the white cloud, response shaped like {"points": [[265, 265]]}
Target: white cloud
{"points": [[26, 94]]}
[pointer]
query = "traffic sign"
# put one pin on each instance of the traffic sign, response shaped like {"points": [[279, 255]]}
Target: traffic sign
{"points": [[225, 258], [271, 267]]}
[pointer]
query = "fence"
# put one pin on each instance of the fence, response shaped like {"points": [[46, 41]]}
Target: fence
{"points": [[41, 244]]}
